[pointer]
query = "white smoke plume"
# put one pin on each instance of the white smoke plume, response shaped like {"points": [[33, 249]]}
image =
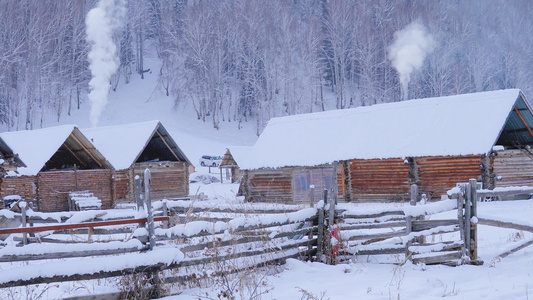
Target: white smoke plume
{"points": [[407, 53], [101, 22]]}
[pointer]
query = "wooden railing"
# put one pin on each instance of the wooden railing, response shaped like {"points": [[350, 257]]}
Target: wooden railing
{"points": [[228, 238], [408, 230], [231, 238]]}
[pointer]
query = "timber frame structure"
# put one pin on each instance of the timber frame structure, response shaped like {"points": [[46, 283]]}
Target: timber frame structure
{"points": [[143, 145], [506, 160], [70, 162]]}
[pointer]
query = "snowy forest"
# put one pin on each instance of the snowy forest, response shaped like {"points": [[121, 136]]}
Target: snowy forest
{"points": [[251, 60]]}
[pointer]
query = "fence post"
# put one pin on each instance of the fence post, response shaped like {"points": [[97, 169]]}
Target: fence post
{"points": [[151, 230], [320, 234], [165, 213], [149, 215], [312, 195], [461, 218], [409, 219], [468, 215], [138, 196], [334, 192], [333, 232], [321, 238], [23, 208], [473, 219]]}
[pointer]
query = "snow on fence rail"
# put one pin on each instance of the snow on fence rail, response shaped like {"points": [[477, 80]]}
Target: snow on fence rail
{"points": [[406, 230], [223, 238], [251, 239]]}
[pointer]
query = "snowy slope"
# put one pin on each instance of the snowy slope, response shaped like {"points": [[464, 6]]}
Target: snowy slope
{"points": [[142, 100]]}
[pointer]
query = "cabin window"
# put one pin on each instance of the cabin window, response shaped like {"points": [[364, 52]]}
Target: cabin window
{"points": [[301, 182], [327, 181]]}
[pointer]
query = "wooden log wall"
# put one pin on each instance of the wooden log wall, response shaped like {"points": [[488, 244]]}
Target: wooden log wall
{"points": [[269, 185], [440, 173], [512, 168], [53, 187], [169, 179], [123, 185], [379, 180], [25, 186], [282, 185]]}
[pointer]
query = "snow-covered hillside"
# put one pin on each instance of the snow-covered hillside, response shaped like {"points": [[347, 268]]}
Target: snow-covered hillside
{"points": [[142, 100]]}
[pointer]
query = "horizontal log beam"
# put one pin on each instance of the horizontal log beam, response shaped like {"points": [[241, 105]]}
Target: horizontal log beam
{"points": [[70, 254], [428, 224], [78, 225], [503, 224], [437, 259]]}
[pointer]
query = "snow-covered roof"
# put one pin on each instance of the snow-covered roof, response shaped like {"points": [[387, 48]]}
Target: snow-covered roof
{"points": [[123, 144], [238, 153], [7, 156], [453, 125], [36, 147]]}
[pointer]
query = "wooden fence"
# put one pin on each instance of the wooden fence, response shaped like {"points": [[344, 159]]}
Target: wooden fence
{"points": [[252, 235], [411, 230], [207, 237]]}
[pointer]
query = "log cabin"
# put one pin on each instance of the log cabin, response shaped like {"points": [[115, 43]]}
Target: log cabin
{"points": [[57, 160], [10, 161], [132, 148], [380, 150]]}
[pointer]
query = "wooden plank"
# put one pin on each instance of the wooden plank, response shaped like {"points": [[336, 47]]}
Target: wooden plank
{"points": [[517, 248], [231, 210], [391, 250], [446, 246], [374, 215], [428, 224], [503, 224], [76, 226], [372, 225], [487, 193], [437, 259], [386, 235], [523, 121], [70, 254]]}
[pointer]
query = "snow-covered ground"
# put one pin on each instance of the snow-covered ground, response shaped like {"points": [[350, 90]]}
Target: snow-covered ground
{"points": [[366, 278]]}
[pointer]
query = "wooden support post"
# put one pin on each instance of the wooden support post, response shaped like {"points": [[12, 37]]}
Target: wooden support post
{"points": [[473, 220], [165, 213], [414, 194], [310, 244], [468, 215], [90, 235], [312, 195], [409, 220], [332, 230], [334, 193], [149, 215], [347, 177], [221, 179], [320, 237], [156, 282], [138, 197], [23, 208], [461, 218], [75, 177]]}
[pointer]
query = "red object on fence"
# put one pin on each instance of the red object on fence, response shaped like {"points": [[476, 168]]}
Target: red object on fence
{"points": [[78, 225], [335, 243]]}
